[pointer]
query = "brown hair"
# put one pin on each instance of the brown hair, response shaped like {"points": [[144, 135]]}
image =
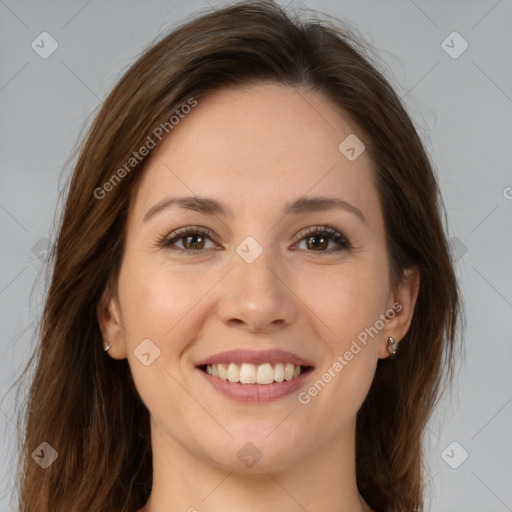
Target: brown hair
{"points": [[85, 405]]}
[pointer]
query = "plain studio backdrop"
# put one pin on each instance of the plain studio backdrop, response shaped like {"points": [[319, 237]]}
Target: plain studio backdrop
{"points": [[450, 61]]}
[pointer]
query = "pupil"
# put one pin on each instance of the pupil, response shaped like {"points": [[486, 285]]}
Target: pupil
{"points": [[192, 237], [322, 243]]}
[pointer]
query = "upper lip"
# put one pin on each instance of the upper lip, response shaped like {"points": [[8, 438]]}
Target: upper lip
{"points": [[255, 357]]}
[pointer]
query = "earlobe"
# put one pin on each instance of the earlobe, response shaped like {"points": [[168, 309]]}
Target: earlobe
{"points": [[397, 326], [110, 327]]}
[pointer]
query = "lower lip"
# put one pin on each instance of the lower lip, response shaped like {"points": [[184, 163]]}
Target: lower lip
{"points": [[256, 392]]}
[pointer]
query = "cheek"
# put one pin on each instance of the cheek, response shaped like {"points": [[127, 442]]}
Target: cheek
{"points": [[347, 303], [346, 300], [158, 303], [155, 297]]}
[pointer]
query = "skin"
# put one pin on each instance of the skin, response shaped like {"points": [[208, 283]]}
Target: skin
{"points": [[254, 149]]}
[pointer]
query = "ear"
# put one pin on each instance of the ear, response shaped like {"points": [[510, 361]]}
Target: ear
{"points": [[111, 328], [402, 303]]}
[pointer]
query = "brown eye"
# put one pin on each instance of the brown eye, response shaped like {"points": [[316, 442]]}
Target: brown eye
{"points": [[317, 239], [192, 240]]}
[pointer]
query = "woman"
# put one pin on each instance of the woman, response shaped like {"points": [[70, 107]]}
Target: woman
{"points": [[253, 233]]}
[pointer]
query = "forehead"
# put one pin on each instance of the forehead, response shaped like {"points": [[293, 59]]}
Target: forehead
{"points": [[255, 146]]}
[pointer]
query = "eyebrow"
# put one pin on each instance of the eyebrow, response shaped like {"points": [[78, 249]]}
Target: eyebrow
{"points": [[210, 206]]}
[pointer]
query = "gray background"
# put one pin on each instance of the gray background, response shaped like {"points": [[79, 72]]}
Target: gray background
{"points": [[462, 109]]}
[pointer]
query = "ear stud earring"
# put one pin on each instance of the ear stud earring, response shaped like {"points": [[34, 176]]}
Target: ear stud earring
{"points": [[107, 347], [392, 345]]}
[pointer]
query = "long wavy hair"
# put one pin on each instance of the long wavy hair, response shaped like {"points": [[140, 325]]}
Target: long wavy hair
{"points": [[85, 405]]}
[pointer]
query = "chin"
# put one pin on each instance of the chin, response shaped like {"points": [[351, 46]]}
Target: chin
{"points": [[251, 453]]}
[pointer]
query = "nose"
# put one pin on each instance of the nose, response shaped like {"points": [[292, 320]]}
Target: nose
{"points": [[257, 296]]}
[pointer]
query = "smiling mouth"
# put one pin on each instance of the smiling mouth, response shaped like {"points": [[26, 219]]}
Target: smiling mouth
{"points": [[247, 373]]}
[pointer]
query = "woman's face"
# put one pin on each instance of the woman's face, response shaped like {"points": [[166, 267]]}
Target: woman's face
{"points": [[253, 292]]}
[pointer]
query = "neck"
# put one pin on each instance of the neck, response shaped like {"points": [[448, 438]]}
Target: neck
{"points": [[323, 479]]}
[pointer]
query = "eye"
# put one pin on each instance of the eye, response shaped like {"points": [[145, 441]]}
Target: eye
{"points": [[194, 238], [317, 238]]}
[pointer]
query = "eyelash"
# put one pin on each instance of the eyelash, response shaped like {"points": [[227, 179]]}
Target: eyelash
{"points": [[168, 240]]}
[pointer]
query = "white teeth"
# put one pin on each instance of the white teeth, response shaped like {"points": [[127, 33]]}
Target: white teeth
{"points": [[247, 373], [265, 374], [222, 369], [279, 372], [288, 371], [233, 372]]}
